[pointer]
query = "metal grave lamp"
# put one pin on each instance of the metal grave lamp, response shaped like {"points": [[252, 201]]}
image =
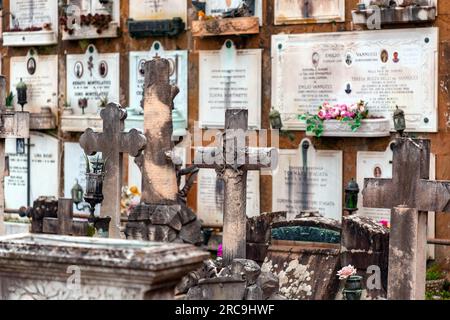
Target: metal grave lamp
{"points": [[351, 196], [21, 93], [275, 119], [399, 121], [77, 195]]}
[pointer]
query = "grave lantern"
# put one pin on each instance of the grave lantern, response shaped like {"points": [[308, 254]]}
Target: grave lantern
{"points": [[21, 93], [399, 121], [351, 196], [94, 186], [275, 119], [77, 194]]}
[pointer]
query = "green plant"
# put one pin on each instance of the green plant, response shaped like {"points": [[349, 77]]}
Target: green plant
{"points": [[9, 100], [313, 123], [434, 272]]}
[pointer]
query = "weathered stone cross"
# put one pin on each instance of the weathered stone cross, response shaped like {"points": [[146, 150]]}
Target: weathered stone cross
{"points": [[231, 160], [112, 143], [411, 195]]}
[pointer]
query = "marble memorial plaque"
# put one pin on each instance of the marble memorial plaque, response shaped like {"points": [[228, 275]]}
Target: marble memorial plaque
{"points": [[217, 7], [308, 179], [304, 11], [40, 74], [210, 197], [385, 68], [179, 77], [44, 171], [158, 9], [93, 76], [229, 78]]}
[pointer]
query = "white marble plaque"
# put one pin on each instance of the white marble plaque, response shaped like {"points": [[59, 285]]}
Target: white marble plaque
{"points": [[94, 76], [304, 11], [158, 9], [33, 13], [386, 68], [217, 7], [210, 197], [308, 180], [179, 77], [44, 171], [229, 78], [40, 74]]}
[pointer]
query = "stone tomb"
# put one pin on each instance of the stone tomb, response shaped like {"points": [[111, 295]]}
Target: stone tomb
{"points": [[40, 74], [385, 68], [210, 197], [44, 170], [229, 78], [41, 15], [303, 11], [92, 268], [93, 76], [178, 77], [157, 9], [308, 179]]}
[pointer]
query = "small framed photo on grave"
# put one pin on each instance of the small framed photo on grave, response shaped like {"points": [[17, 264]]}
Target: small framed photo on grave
{"points": [[93, 80], [178, 60], [31, 23], [90, 19], [304, 11], [229, 78]]}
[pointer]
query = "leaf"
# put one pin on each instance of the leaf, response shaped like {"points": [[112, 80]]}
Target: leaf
{"points": [[310, 128]]}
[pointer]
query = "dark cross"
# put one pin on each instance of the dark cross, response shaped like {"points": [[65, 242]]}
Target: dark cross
{"points": [[112, 143], [409, 188], [232, 159]]}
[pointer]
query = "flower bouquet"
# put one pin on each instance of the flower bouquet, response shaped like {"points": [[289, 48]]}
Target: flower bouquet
{"points": [[353, 283], [345, 120]]}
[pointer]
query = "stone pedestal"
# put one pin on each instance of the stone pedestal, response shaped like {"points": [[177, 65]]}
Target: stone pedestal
{"points": [[61, 267]]}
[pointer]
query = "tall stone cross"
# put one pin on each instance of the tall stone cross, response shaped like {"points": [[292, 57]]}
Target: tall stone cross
{"points": [[112, 143], [231, 160], [159, 178], [411, 195]]}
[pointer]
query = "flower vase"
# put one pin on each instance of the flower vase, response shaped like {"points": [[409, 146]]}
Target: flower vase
{"points": [[353, 288]]}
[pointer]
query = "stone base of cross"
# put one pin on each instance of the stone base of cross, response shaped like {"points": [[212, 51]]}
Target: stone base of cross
{"points": [[231, 160], [411, 196]]}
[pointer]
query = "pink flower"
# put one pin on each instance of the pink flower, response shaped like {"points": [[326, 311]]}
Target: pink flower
{"points": [[335, 112], [219, 251], [346, 272], [354, 108], [384, 223], [322, 114], [343, 107]]}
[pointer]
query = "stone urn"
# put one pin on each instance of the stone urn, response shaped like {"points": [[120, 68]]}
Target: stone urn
{"points": [[353, 288]]}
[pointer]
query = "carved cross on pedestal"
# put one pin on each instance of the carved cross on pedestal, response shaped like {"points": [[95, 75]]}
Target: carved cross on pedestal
{"points": [[231, 161], [408, 191], [112, 143]]}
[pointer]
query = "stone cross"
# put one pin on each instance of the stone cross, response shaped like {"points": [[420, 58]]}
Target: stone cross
{"points": [[232, 160], [112, 143], [411, 195], [159, 178]]}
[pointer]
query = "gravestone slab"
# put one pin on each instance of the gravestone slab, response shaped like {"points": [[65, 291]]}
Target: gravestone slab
{"points": [[41, 15], [303, 11], [44, 170], [210, 197], [384, 68], [178, 77], [93, 76], [157, 9], [229, 78], [109, 269], [308, 179], [40, 74]]}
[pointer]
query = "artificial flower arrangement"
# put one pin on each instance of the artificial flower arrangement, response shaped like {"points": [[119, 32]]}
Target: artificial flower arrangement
{"points": [[130, 198], [350, 114]]}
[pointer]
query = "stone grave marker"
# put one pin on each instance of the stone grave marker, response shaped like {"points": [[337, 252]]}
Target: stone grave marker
{"points": [[41, 16], [178, 77], [229, 77], [44, 170], [318, 11], [411, 195], [231, 159], [40, 74], [210, 197], [95, 77], [113, 142], [385, 68], [308, 179], [157, 9]]}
